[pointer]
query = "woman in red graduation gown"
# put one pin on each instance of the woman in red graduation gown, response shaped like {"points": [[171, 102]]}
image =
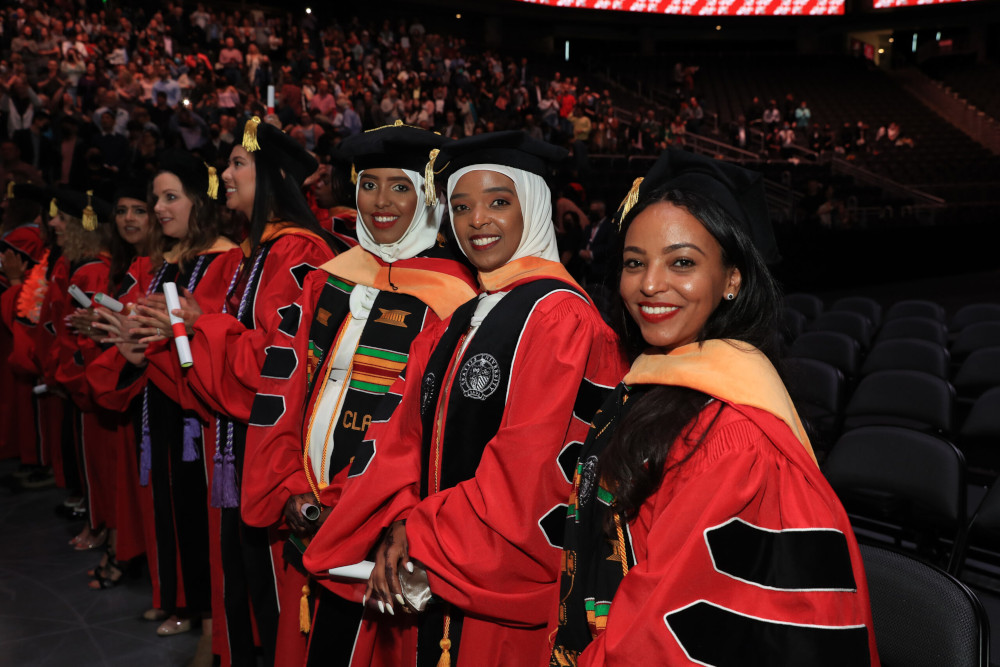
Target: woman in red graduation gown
{"points": [[22, 246], [129, 238], [698, 509], [284, 244], [469, 478], [82, 231], [170, 431], [357, 317]]}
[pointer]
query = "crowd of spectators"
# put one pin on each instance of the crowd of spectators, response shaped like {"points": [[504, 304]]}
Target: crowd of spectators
{"points": [[778, 131]]}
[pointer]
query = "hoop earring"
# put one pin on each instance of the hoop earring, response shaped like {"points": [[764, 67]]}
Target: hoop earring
{"points": [[730, 296]]}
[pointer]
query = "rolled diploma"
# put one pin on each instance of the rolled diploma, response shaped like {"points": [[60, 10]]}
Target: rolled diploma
{"points": [[79, 296], [270, 98], [177, 325], [39, 389], [360, 571], [114, 305]]}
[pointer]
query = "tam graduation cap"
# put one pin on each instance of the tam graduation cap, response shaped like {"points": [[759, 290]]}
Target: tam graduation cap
{"points": [[86, 207], [392, 147], [266, 142], [195, 175], [739, 191], [512, 148]]}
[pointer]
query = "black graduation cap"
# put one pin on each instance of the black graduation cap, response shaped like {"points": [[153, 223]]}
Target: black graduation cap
{"points": [[130, 188], [392, 146], [85, 206], [195, 175], [512, 148], [40, 194], [739, 191], [269, 143]]}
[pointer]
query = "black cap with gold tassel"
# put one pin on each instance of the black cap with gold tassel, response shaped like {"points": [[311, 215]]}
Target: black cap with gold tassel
{"points": [[10, 189], [396, 146], [266, 142], [87, 208], [738, 191]]}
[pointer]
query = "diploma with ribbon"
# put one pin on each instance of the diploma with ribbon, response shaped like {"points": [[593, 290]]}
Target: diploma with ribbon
{"points": [[177, 325]]}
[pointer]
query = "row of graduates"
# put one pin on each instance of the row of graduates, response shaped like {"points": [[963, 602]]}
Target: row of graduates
{"points": [[469, 433]]}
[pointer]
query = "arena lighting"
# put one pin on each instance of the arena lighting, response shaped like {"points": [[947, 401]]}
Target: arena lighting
{"points": [[718, 27], [309, 10], [881, 51], [891, 40], [708, 7], [458, 16]]}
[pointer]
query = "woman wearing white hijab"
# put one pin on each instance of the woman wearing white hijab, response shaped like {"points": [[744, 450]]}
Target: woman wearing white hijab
{"points": [[469, 479], [339, 348]]}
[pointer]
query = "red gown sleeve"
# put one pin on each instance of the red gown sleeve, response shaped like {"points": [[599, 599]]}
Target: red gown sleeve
{"points": [[519, 481], [273, 469], [112, 381], [164, 369], [74, 352], [736, 474], [227, 355]]}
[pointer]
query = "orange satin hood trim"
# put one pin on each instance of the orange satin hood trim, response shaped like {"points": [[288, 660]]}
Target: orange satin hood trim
{"points": [[441, 291], [278, 229], [220, 245], [728, 370], [520, 269]]}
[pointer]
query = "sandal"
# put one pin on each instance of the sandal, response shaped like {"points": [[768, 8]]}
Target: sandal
{"points": [[91, 541], [109, 577]]}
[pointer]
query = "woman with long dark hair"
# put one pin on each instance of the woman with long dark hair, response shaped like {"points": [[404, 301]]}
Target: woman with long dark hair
{"points": [[700, 529], [263, 183], [171, 432], [469, 477]]}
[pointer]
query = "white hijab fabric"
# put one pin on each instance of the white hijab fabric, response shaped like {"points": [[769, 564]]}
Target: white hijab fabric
{"points": [[419, 236], [539, 236]]}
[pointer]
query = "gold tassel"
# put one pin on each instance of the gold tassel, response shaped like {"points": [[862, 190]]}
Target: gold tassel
{"points": [[630, 200], [89, 218], [445, 644], [213, 182], [250, 142], [354, 175], [304, 622], [53, 208], [10, 190], [430, 192]]}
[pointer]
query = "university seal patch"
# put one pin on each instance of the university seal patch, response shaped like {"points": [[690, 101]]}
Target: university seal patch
{"points": [[480, 376]]}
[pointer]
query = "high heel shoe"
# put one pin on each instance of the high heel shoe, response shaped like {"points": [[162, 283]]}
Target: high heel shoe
{"points": [[91, 541]]}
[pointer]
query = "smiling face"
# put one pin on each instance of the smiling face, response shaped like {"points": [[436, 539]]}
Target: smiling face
{"points": [[240, 179], [58, 226], [486, 214], [132, 220], [673, 276], [387, 201], [171, 205]]}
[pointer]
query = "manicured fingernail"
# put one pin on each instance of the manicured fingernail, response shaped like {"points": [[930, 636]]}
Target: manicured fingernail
{"points": [[381, 607], [399, 598], [389, 608], [409, 567]]}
